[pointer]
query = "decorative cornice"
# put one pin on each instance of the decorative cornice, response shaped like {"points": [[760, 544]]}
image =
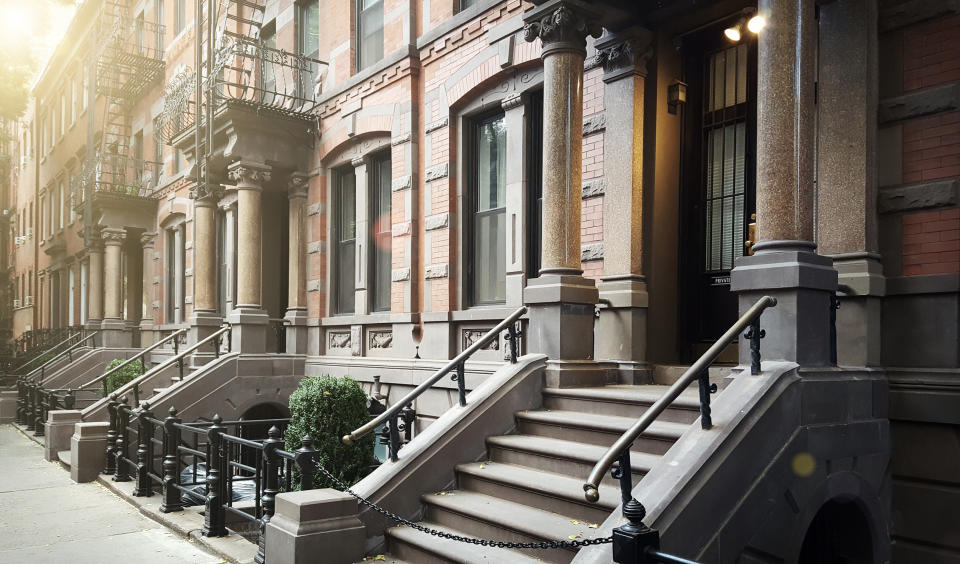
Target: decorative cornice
{"points": [[564, 28], [623, 55]]}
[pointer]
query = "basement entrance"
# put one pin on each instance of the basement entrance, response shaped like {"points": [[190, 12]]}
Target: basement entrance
{"points": [[838, 534]]}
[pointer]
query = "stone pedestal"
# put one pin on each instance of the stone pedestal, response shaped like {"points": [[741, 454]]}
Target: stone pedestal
{"points": [[859, 315], [57, 430], [296, 331], [621, 334], [798, 328], [309, 523], [88, 447]]}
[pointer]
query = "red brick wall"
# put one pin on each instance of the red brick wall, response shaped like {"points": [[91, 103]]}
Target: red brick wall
{"points": [[931, 148], [931, 242], [931, 53]]}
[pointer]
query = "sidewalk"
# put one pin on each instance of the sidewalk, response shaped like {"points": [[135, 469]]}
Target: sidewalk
{"points": [[45, 517]]}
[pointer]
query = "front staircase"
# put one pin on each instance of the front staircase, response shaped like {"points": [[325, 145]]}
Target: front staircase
{"points": [[529, 488]]}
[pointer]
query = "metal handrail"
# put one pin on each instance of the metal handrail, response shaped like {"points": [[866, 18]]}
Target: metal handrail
{"points": [[455, 364], [139, 355], [54, 347], [752, 316], [135, 383]]}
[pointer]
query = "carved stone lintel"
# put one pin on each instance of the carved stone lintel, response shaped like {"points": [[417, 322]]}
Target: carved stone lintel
{"points": [[249, 175], [297, 185], [624, 54], [564, 28]]}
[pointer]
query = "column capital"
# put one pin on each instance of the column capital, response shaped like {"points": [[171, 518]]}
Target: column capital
{"points": [[112, 236], [249, 175], [562, 26], [206, 194], [148, 239], [298, 184], [624, 53]]}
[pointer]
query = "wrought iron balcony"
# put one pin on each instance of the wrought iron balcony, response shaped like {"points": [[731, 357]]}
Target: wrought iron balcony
{"points": [[247, 74], [117, 174]]}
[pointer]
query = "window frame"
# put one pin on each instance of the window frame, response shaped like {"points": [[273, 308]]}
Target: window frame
{"points": [[336, 226], [376, 186], [358, 41]]}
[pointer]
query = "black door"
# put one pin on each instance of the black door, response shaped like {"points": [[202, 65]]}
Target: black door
{"points": [[719, 172]]}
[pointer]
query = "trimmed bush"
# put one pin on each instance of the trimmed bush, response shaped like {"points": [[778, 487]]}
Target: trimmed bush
{"points": [[126, 374], [327, 408]]}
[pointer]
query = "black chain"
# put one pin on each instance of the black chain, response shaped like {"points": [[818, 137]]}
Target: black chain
{"points": [[482, 542]]}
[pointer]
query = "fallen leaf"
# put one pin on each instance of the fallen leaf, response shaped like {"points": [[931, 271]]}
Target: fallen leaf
{"points": [[594, 526], [572, 537], [574, 521]]}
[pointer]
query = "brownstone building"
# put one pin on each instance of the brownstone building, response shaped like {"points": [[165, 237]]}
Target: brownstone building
{"points": [[367, 187]]}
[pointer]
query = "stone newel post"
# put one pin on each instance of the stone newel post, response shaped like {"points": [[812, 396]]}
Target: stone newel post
{"points": [[147, 241], [204, 319], [95, 284], [248, 318], [296, 316], [561, 300], [786, 265], [114, 327]]}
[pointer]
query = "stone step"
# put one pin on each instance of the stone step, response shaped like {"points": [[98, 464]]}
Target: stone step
{"points": [[624, 401], [64, 457], [502, 520], [560, 457], [536, 488], [667, 374], [598, 429], [411, 545]]}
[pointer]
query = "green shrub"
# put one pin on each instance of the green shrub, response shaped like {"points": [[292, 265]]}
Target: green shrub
{"points": [[327, 408], [126, 374]]}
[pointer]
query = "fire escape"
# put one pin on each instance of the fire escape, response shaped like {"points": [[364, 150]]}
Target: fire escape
{"points": [[129, 59], [240, 72]]}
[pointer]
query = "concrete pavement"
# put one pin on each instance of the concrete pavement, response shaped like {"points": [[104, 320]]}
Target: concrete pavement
{"points": [[46, 517]]}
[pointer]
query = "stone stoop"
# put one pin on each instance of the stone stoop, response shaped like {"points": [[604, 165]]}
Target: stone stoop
{"points": [[529, 488]]}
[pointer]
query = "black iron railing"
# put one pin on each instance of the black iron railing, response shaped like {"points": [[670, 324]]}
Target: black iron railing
{"points": [[834, 306], [393, 416], [634, 541], [205, 462]]}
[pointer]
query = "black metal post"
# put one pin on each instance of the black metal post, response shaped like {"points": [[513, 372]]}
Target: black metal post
{"points": [[69, 400], [21, 400], [271, 466], [144, 452], [409, 416], [461, 384], [754, 334], [214, 523], [171, 464], [43, 405], [512, 339], [111, 463], [632, 540], [31, 406], [834, 306], [394, 443], [706, 388], [123, 440], [305, 462]]}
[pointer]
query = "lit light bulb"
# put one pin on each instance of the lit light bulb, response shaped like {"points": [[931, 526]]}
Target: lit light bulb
{"points": [[733, 33], [756, 24]]}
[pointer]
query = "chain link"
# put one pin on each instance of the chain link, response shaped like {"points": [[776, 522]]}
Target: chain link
{"points": [[482, 542]]}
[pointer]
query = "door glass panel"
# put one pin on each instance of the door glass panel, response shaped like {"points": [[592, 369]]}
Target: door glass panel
{"points": [[489, 229]]}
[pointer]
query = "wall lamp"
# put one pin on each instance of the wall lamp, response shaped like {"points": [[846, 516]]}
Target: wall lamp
{"points": [[676, 95], [754, 25]]}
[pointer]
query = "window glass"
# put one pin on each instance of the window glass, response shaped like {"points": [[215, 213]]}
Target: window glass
{"points": [[369, 32], [489, 199], [308, 43], [181, 15], [345, 238], [382, 236]]}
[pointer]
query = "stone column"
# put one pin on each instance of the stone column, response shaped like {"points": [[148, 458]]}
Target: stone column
{"points": [[847, 172], [786, 265], [113, 326], [561, 300], [622, 328], [95, 284], [248, 318], [204, 319], [147, 241], [361, 303], [296, 316]]}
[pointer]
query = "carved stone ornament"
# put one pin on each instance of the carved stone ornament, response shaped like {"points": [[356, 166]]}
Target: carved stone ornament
{"points": [[471, 336], [338, 340], [380, 339], [562, 27], [629, 55], [113, 236], [245, 175], [298, 184], [209, 192]]}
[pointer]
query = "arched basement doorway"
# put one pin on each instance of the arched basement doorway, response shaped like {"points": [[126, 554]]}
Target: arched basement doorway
{"points": [[838, 534]]}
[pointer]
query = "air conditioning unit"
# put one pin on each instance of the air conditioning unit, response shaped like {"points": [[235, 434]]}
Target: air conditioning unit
{"points": [[16, 303], [19, 240], [29, 300]]}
